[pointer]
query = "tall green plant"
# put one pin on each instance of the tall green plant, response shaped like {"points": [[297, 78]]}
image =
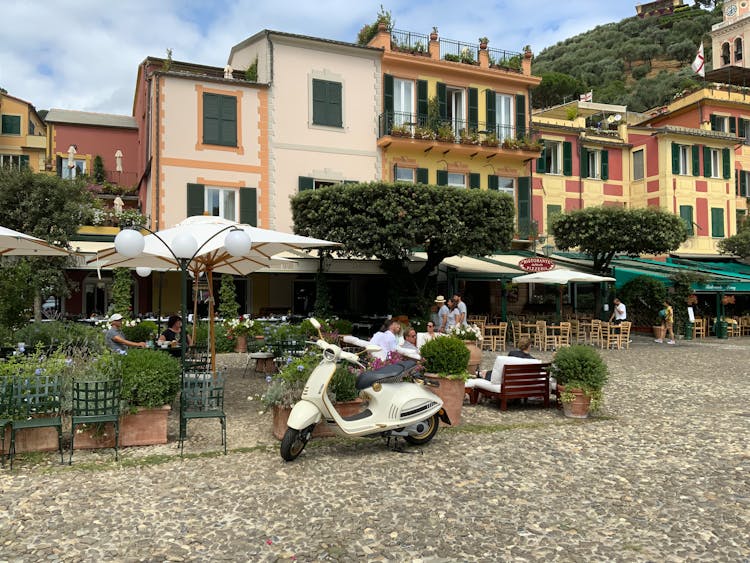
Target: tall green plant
{"points": [[643, 296], [446, 356], [98, 169], [682, 283], [121, 292], [228, 306]]}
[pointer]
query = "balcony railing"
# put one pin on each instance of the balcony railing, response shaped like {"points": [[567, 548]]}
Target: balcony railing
{"points": [[410, 42], [418, 126]]}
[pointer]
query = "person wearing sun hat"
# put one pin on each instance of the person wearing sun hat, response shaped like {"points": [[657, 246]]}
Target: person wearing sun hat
{"points": [[115, 339], [442, 313]]}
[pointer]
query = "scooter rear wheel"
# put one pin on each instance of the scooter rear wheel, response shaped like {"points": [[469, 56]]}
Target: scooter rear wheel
{"points": [[293, 443], [421, 439]]}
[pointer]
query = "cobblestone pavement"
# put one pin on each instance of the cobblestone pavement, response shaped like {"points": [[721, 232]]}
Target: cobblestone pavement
{"points": [[663, 474]]}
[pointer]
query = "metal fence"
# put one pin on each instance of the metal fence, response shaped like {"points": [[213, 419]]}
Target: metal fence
{"points": [[419, 126]]}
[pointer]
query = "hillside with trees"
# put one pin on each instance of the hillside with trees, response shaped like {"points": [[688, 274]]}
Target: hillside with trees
{"points": [[640, 63]]}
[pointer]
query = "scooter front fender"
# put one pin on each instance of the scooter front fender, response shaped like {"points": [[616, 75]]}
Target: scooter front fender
{"points": [[303, 415]]}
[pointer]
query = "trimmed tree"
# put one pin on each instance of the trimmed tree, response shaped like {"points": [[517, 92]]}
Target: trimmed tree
{"points": [[228, 306], [738, 244], [391, 220], [603, 232]]}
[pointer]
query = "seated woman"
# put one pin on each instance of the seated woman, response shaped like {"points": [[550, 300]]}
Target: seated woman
{"points": [[524, 345], [174, 328]]}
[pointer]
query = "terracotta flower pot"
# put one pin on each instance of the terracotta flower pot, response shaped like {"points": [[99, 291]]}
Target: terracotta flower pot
{"points": [[579, 407], [240, 344], [475, 355], [451, 391]]}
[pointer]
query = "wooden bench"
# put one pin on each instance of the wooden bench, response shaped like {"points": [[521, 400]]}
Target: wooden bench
{"points": [[519, 381]]}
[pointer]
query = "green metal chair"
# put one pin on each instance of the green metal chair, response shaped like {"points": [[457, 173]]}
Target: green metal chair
{"points": [[198, 358], [202, 397], [36, 404], [96, 402], [6, 412]]}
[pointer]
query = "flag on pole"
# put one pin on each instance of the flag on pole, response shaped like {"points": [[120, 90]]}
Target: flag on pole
{"points": [[698, 65], [587, 97]]}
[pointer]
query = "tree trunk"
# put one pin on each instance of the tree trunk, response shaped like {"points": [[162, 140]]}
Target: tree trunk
{"points": [[38, 306]]}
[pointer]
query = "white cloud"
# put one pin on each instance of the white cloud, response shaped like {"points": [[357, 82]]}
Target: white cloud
{"points": [[84, 54]]}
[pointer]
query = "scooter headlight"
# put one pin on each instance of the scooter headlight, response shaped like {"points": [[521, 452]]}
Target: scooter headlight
{"points": [[329, 354]]}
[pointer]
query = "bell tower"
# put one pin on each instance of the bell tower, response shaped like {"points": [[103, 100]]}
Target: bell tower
{"points": [[728, 36]]}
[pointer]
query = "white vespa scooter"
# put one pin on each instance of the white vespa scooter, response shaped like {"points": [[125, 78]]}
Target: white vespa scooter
{"points": [[394, 408]]}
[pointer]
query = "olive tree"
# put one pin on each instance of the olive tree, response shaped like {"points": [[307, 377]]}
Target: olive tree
{"points": [[603, 232], [392, 220]]}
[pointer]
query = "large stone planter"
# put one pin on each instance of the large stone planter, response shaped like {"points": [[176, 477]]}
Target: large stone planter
{"points": [[33, 440], [147, 427], [451, 391], [475, 356], [240, 344], [322, 430]]}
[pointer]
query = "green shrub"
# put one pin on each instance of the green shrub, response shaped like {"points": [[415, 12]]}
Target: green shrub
{"points": [[643, 296], [446, 356], [150, 378], [63, 334], [140, 331], [343, 384], [287, 386], [580, 367], [342, 326], [309, 330]]}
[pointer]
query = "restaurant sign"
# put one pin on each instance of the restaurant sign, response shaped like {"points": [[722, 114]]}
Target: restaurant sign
{"points": [[536, 264]]}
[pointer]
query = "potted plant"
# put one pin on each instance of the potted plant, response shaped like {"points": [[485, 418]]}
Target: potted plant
{"points": [[445, 360], [434, 34], [402, 130], [491, 140], [445, 133], [580, 373], [483, 41], [238, 329], [424, 133], [471, 335]]}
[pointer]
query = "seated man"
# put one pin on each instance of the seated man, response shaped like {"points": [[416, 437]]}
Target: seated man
{"points": [[115, 339]]}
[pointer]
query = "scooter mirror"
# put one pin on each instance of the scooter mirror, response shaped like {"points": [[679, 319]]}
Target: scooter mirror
{"points": [[372, 348], [315, 323]]}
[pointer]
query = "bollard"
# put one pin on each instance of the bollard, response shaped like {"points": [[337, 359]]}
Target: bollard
{"points": [[689, 327], [721, 329]]}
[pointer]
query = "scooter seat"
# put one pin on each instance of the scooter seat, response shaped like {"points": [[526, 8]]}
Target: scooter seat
{"points": [[386, 372]]}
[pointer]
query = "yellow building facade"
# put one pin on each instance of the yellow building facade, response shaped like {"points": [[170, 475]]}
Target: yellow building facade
{"points": [[23, 140]]}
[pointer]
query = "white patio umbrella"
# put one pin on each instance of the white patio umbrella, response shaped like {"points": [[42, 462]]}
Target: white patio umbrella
{"points": [[561, 277], [14, 243]]}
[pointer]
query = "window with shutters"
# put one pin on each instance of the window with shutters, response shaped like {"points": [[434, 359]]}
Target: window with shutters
{"points": [[717, 222], [66, 171], [552, 157], [456, 180], [401, 174], [219, 120], [721, 123], [221, 202], [456, 102], [504, 117], [403, 102], [506, 186], [684, 159], [743, 183], [327, 106], [13, 161], [686, 214], [11, 124], [714, 163], [638, 169], [594, 164]]}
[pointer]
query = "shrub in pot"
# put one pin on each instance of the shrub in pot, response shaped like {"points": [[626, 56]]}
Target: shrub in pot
{"points": [[581, 374], [150, 378], [447, 358]]}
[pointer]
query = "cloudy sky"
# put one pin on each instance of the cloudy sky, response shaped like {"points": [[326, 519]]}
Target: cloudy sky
{"points": [[84, 54]]}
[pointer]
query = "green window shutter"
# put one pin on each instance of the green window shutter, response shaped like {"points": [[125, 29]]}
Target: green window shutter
{"points": [[474, 181], [423, 176], [195, 199], [228, 121], [24, 161], [524, 205], [717, 222], [387, 94], [422, 103], [442, 177], [743, 183], [11, 125], [706, 162], [675, 158], [327, 103], [473, 109], [520, 116], [211, 121], [492, 182], [334, 104], [249, 206], [552, 210], [714, 122], [305, 183], [696, 160], [741, 127], [489, 98], [567, 158], [540, 162], [442, 97], [686, 214], [726, 164], [584, 163], [605, 165], [732, 124]]}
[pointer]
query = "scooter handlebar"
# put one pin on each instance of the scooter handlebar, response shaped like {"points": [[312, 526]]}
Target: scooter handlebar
{"points": [[409, 353]]}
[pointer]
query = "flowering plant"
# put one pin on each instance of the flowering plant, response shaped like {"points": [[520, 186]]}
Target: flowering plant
{"points": [[242, 326], [466, 332], [727, 300]]}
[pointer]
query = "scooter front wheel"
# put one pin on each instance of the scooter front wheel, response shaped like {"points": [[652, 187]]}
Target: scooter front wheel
{"points": [[429, 433], [294, 442]]}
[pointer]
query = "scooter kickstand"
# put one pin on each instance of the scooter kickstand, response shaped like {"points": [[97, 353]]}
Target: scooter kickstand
{"points": [[398, 447]]}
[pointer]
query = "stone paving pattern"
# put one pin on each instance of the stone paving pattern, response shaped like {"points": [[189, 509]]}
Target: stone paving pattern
{"points": [[663, 474]]}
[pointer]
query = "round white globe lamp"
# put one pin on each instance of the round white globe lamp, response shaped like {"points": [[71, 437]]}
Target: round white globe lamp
{"points": [[237, 242], [129, 243], [184, 245]]}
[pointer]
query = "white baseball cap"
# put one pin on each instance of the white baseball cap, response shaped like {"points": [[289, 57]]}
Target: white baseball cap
{"points": [[115, 317]]}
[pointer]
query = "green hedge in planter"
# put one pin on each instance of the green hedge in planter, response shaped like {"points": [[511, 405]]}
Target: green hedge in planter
{"points": [[446, 356], [141, 332], [150, 378]]}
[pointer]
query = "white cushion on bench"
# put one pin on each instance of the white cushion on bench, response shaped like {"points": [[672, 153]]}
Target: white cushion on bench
{"points": [[502, 361], [481, 383]]}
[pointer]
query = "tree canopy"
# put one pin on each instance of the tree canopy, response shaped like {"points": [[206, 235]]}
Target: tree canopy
{"points": [[738, 244], [603, 232], [390, 221]]}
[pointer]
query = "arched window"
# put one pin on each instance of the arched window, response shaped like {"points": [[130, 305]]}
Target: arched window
{"points": [[738, 49], [725, 60]]}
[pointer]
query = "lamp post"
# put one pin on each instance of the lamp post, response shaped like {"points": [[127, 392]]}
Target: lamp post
{"points": [[184, 248]]}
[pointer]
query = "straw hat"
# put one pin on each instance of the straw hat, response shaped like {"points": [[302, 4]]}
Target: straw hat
{"points": [[440, 299]]}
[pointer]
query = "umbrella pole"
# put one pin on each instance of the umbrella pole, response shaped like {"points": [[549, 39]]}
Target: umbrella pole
{"points": [[559, 304], [211, 336]]}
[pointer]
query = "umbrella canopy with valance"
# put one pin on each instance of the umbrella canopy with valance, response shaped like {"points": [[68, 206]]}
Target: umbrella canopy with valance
{"points": [[14, 243]]}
